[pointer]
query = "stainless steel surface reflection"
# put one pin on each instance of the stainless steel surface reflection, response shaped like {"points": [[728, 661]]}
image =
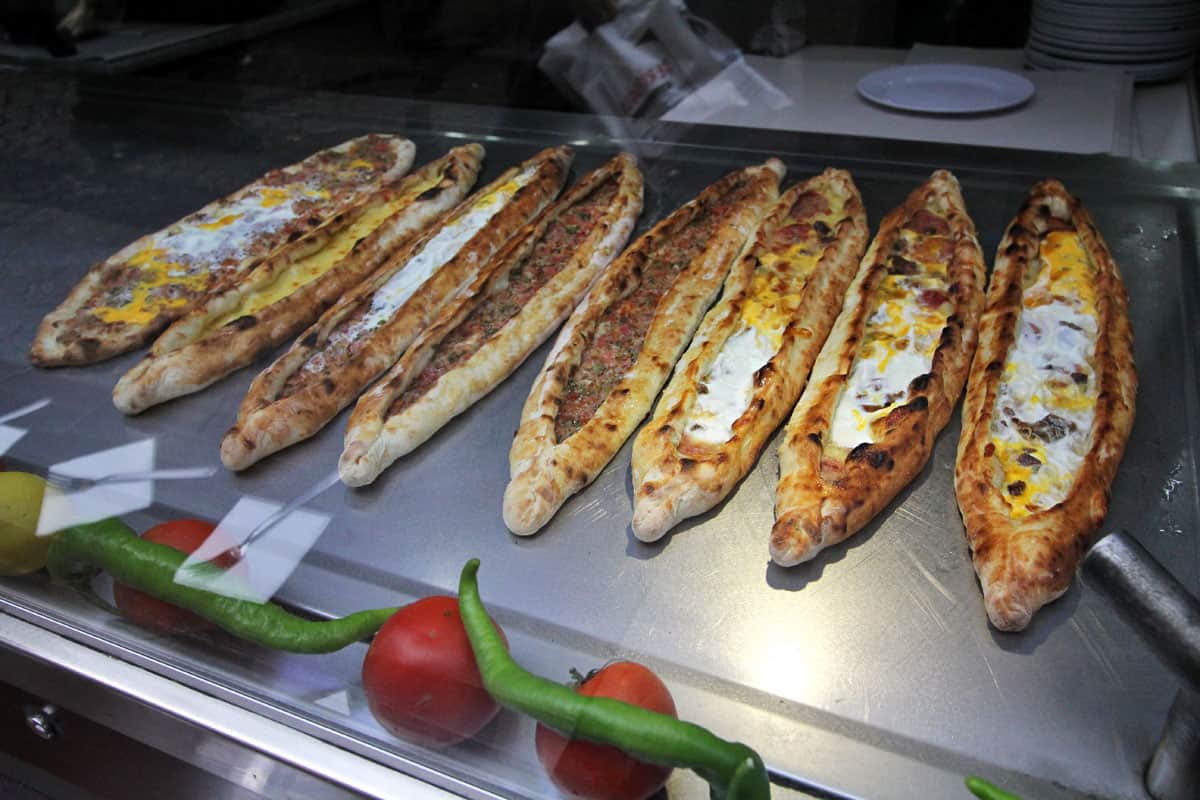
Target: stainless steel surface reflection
{"points": [[870, 671]]}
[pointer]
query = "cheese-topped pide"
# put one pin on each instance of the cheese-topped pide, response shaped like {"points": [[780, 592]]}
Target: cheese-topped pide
{"points": [[366, 332], [1049, 406], [284, 294], [751, 355], [887, 378], [126, 299]]}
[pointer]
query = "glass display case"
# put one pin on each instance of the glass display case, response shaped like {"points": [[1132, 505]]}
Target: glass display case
{"points": [[870, 671]]}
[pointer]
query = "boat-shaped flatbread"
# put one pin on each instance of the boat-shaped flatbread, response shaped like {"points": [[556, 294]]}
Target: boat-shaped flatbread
{"points": [[125, 300], [888, 376], [286, 293], [751, 355], [512, 308], [368, 331], [1049, 406], [617, 349]]}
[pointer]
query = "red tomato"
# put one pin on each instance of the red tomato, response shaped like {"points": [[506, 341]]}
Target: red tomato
{"points": [[593, 771], [185, 535], [420, 676]]}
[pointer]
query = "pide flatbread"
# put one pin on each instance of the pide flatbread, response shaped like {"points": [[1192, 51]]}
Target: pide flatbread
{"points": [[284, 294], [751, 356], [617, 349], [125, 300], [366, 332], [887, 378], [1049, 406], [523, 295]]}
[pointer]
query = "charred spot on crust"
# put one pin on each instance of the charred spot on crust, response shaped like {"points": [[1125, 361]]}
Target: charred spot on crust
{"points": [[610, 426], [294, 235], [310, 340], [918, 404], [313, 220], [1016, 488], [995, 366], [859, 452], [687, 464], [665, 429], [920, 383], [328, 385], [762, 375], [815, 438], [244, 322]]}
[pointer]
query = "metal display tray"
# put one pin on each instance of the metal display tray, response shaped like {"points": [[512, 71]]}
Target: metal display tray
{"points": [[869, 672]]}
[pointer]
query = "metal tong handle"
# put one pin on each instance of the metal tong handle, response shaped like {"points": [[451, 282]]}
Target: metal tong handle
{"points": [[1167, 618]]}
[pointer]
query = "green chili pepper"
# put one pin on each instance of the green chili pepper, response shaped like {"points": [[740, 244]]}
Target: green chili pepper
{"points": [[733, 770], [112, 546], [987, 791]]}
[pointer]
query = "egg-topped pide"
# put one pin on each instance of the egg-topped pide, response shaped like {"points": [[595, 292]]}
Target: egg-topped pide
{"points": [[774, 296], [1047, 395], [887, 378], [751, 355], [1049, 406], [903, 329], [135, 293]]}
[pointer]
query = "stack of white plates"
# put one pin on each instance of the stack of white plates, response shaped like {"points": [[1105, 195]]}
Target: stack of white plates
{"points": [[1151, 40]]}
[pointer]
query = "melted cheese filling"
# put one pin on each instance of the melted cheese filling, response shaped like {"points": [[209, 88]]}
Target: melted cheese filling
{"points": [[776, 289], [179, 262], [436, 253], [313, 266], [898, 343], [1046, 402]]}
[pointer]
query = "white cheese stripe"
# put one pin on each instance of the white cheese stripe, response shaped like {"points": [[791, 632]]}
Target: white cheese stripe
{"points": [[437, 252], [729, 385]]}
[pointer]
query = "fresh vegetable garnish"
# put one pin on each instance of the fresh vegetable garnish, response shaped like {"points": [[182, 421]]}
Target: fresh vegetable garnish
{"points": [[21, 550], [988, 791], [592, 771], [733, 770], [420, 676], [150, 567], [184, 535]]}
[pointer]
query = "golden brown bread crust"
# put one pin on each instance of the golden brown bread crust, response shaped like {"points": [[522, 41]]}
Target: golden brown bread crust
{"points": [[1025, 563], [673, 483], [285, 405], [188, 356], [825, 494], [72, 335], [376, 436], [545, 471]]}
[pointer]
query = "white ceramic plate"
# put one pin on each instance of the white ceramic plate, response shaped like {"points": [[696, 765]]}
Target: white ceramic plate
{"points": [[945, 88]]}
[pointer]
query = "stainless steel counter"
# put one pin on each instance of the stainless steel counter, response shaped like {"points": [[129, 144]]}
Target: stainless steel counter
{"points": [[870, 672]]}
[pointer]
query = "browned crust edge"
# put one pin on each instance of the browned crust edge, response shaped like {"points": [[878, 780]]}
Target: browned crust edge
{"points": [[545, 472], [187, 358], [48, 350], [813, 511], [267, 423], [670, 486], [1024, 564], [374, 440]]}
